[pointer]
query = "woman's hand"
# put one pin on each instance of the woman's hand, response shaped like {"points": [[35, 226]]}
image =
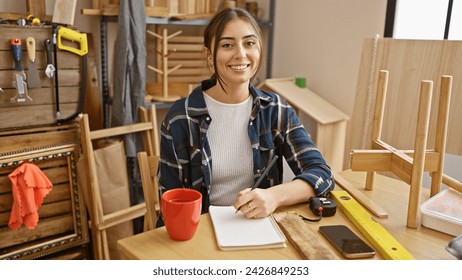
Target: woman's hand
{"points": [[257, 203], [260, 203]]}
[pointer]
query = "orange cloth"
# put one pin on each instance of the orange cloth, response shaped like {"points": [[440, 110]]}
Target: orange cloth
{"points": [[29, 186]]}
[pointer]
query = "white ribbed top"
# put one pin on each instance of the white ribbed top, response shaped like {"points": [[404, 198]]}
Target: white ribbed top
{"points": [[232, 162]]}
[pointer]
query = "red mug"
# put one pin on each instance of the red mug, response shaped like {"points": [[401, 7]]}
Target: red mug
{"points": [[181, 210]]}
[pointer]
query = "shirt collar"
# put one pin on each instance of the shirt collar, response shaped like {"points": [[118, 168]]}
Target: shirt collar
{"points": [[195, 102]]}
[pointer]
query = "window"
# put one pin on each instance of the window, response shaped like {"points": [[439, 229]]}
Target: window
{"points": [[424, 19]]}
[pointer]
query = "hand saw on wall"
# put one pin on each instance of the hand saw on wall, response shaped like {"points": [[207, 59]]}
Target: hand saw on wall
{"points": [[63, 34]]}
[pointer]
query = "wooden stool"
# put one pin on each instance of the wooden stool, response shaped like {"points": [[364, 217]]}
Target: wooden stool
{"points": [[409, 165]]}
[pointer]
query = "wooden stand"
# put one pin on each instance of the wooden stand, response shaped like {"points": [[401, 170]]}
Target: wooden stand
{"points": [[165, 71], [409, 165]]}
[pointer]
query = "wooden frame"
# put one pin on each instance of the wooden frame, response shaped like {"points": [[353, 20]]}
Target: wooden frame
{"points": [[100, 221], [409, 165], [52, 234]]}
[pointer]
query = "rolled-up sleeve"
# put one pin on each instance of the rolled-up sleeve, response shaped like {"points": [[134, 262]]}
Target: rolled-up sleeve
{"points": [[304, 158]]}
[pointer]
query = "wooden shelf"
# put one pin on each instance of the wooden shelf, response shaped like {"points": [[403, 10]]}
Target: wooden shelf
{"points": [[325, 123]]}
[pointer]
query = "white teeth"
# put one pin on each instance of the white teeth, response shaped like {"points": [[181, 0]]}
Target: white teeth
{"points": [[239, 67]]}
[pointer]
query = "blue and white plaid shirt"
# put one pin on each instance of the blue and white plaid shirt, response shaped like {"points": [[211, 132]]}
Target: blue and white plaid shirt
{"points": [[273, 129]]}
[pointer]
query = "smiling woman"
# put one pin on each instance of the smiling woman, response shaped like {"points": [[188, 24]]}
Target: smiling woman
{"points": [[221, 137], [234, 43]]}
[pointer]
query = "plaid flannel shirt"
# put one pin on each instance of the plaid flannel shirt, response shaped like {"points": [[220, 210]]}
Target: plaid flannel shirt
{"points": [[273, 128]]}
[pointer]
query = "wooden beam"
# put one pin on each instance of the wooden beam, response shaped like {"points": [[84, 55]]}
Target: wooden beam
{"points": [[64, 11], [423, 121], [452, 183], [37, 8], [441, 131], [382, 160], [370, 160]]}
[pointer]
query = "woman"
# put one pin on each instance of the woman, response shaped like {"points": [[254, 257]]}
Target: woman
{"points": [[220, 139]]}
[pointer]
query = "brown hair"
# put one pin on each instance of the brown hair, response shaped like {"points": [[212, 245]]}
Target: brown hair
{"points": [[216, 27]]}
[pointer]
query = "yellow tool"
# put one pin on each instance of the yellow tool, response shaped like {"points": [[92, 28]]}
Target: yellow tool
{"points": [[74, 36], [377, 235], [33, 20]]}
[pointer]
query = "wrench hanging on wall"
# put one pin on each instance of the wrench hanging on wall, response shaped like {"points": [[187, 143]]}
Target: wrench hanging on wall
{"points": [[50, 69]]}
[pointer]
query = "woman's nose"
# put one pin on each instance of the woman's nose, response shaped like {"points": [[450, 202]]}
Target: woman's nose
{"points": [[240, 53]]}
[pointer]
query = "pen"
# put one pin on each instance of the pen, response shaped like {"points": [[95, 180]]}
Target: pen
{"points": [[263, 175]]}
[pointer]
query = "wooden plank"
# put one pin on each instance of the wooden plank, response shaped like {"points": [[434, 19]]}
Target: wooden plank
{"points": [[93, 104], [41, 96], [30, 139], [380, 160], [186, 55], [188, 72], [66, 60], [53, 168], [60, 191], [36, 115], [37, 8], [188, 64], [192, 16], [188, 79], [45, 228], [185, 48], [303, 238], [40, 33], [45, 211], [64, 11], [96, 4], [178, 89], [305, 101], [67, 78], [187, 40]]}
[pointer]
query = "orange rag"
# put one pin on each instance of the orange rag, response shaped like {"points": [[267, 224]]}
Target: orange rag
{"points": [[29, 186]]}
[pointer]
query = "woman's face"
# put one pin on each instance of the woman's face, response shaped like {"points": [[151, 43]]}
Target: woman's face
{"points": [[238, 53]]}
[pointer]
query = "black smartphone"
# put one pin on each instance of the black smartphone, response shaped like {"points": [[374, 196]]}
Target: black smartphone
{"points": [[347, 242]]}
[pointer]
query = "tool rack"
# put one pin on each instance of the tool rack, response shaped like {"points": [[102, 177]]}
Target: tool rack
{"points": [[29, 133]]}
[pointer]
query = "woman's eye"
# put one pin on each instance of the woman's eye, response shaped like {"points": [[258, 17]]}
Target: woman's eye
{"points": [[226, 45], [250, 43]]}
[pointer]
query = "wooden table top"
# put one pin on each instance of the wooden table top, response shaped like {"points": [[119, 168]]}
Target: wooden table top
{"points": [[391, 194]]}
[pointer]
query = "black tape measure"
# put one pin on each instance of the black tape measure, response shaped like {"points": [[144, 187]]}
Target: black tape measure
{"points": [[322, 207]]}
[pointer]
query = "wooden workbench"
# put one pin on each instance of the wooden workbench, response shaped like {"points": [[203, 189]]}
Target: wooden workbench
{"points": [[391, 194]]}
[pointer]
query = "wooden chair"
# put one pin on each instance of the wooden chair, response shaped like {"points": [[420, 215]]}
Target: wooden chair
{"points": [[99, 221], [148, 169], [409, 165]]}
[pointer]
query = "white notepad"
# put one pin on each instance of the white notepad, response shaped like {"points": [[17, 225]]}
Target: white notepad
{"points": [[236, 232]]}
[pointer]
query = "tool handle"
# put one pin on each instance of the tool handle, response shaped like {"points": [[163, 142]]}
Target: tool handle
{"points": [[17, 54], [47, 43], [72, 35], [31, 48]]}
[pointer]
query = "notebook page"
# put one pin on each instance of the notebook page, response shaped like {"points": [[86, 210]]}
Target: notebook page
{"points": [[235, 230]]}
